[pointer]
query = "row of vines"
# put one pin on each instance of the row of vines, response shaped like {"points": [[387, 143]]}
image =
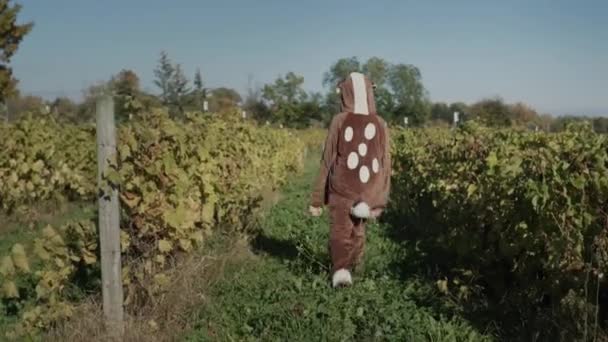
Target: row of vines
{"points": [[514, 223], [178, 181]]}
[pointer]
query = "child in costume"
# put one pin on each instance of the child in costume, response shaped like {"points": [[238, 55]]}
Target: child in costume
{"points": [[354, 177]]}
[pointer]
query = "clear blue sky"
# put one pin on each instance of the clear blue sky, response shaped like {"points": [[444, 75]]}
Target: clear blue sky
{"points": [[552, 54]]}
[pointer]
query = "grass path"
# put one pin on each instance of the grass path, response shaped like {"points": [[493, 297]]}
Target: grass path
{"points": [[281, 291]]}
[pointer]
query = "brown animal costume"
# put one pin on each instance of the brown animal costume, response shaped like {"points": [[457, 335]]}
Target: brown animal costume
{"points": [[354, 178]]}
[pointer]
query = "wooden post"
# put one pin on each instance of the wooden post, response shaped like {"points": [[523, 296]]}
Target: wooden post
{"points": [[109, 221]]}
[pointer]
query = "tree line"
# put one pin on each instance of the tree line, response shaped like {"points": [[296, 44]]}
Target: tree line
{"points": [[399, 91]]}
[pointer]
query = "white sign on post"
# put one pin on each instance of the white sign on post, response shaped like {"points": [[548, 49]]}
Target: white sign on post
{"points": [[244, 114], [456, 117], [405, 120], [205, 106]]}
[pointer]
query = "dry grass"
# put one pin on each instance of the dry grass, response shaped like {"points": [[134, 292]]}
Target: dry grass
{"points": [[170, 315]]}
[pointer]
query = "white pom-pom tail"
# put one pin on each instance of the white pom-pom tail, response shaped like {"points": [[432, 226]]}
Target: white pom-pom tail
{"points": [[342, 277], [361, 210]]}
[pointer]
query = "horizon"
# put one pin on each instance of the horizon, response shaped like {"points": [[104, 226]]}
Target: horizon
{"points": [[548, 55]]}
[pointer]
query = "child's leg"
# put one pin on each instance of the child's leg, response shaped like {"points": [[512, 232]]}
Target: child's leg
{"points": [[358, 240], [340, 237]]}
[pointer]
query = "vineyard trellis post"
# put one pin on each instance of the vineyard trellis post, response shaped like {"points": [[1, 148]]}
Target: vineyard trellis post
{"points": [[109, 220]]}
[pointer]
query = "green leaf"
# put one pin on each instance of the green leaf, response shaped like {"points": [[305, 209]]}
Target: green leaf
{"points": [[40, 250], [471, 189], [164, 246], [6, 266], [185, 244], [492, 160], [9, 289], [442, 285], [19, 258], [197, 236], [113, 176], [161, 279]]}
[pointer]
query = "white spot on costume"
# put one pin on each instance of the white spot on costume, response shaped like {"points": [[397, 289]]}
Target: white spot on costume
{"points": [[362, 149], [375, 165], [353, 161], [364, 174], [348, 134], [370, 131]]}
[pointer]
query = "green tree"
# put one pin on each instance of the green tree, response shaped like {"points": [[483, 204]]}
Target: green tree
{"points": [[340, 71], [286, 99], [285, 89], [224, 100], [87, 108], [128, 95], [199, 93], [440, 111], [492, 112], [254, 104], [337, 72], [11, 35], [179, 90], [410, 96], [523, 115], [63, 107], [377, 70], [164, 74], [17, 106]]}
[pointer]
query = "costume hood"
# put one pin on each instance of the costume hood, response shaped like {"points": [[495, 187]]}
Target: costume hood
{"points": [[357, 93]]}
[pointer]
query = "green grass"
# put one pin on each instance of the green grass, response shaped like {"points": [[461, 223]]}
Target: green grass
{"points": [[282, 293]]}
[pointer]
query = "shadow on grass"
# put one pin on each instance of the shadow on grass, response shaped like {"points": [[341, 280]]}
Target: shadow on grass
{"points": [[282, 249]]}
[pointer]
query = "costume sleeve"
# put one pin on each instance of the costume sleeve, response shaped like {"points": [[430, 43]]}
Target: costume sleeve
{"points": [[319, 195]]}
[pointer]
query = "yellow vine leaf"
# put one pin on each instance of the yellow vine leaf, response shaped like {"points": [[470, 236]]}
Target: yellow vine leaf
{"points": [[6, 266], [197, 236], [185, 244], [161, 279], [9, 290], [19, 258], [164, 246]]}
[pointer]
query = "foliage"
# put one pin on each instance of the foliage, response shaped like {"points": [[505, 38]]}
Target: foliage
{"points": [[287, 103], [41, 159], [492, 112], [19, 106], [42, 296], [163, 74], [340, 70], [126, 88], [11, 35], [224, 100], [173, 84], [63, 106], [313, 138], [521, 215], [177, 181], [199, 93], [179, 89], [410, 96]]}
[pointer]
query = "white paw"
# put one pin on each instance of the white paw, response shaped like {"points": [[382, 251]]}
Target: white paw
{"points": [[361, 210], [342, 277]]}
